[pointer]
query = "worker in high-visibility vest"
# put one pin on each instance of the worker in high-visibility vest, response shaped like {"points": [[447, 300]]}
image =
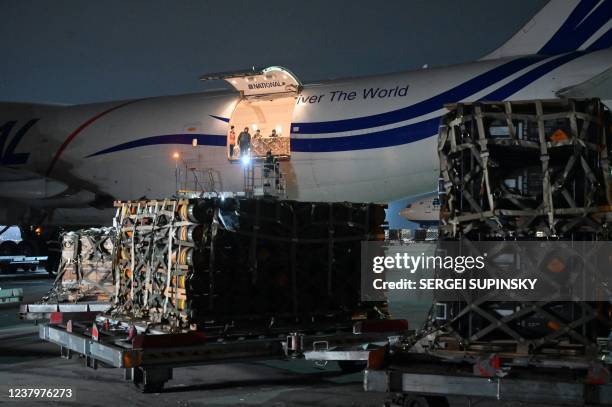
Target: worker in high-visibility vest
{"points": [[232, 141]]}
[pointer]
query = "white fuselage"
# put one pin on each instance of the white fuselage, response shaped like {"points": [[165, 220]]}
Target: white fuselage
{"points": [[424, 211], [370, 139]]}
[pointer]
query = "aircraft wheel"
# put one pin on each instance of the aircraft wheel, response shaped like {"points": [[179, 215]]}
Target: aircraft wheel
{"points": [[8, 248], [8, 268], [27, 248]]}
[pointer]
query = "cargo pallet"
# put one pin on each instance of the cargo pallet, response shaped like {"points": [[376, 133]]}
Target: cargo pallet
{"points": [[37, 312], [427, 380], [148, 356], [239, 260], [521, 170], [10, 295]]}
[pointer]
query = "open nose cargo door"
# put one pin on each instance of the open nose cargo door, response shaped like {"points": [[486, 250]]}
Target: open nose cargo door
{"points": [[267, 99]]}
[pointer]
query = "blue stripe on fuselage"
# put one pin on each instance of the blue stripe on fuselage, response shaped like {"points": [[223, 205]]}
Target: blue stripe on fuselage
{"points": [[577, 29], [605, 41], [432, 104], [203, 139], [531, 76], [223, 119], [427, 128], [384, 138]]}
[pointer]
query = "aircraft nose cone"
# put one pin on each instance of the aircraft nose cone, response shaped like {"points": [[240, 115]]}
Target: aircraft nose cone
{"points": [[407, 213]]}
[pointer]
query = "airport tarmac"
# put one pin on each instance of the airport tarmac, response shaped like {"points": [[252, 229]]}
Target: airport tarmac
{"points": [[27, 361]]}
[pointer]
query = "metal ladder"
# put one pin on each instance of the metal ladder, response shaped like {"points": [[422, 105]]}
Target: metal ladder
{"points": [[193, 181], [264, 179]]}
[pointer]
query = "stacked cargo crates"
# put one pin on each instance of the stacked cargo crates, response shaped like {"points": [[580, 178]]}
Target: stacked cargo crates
{"points": [[85, 272], [237, 263], [525, 171]]}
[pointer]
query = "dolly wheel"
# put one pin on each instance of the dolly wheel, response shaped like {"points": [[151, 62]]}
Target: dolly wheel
{"points": [[156, 387], [425, 401], [149, 380], [351, 366]]}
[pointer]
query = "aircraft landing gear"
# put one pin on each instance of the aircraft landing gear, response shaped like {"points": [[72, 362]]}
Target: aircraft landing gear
{"points": [[37, 241], [7, 248]]}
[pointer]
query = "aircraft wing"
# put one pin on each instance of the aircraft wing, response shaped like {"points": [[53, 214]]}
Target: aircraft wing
{"points": [[27, 185], [40, 191], [599, 86]]}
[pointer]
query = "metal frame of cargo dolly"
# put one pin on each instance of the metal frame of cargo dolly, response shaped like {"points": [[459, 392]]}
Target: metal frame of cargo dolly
{"points": [[148, 358], [35, 312], [427, 386], [22, 259], [425, 378]]}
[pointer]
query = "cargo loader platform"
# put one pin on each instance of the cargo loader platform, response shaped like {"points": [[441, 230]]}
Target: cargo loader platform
{"points": [[148, 356], [420, 380]]}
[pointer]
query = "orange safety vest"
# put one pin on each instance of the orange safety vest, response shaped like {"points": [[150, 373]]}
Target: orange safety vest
{"points": [[232, 137]]}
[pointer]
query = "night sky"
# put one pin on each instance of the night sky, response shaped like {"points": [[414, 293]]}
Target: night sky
{"points": [[87, 51], [60, 51]]}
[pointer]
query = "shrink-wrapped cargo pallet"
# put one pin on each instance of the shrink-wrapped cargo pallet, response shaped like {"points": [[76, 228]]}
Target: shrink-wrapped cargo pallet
{"points": [[212, 263]]}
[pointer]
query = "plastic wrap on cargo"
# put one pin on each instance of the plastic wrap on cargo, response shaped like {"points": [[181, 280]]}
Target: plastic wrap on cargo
{"points": [[211, 263]]}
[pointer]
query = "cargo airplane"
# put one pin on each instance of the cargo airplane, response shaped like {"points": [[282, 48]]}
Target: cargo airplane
{"points": [[359, 139], [424, 211]]}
